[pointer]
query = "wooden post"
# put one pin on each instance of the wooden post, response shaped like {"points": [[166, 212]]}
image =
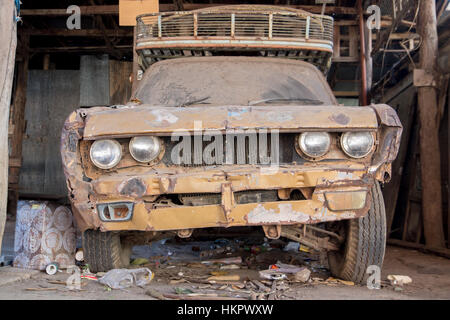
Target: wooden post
{"points": [[136, 68], [363, 61], [426, 81], [7, 57], [18, 119]]}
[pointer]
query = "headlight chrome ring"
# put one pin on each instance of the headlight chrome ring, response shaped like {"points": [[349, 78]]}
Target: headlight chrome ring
{"points": [[314, 145], [357, 144], [145, 149], [105, 153]]}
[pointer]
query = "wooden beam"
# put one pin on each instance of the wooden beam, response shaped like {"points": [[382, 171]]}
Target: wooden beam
{"points": [[430, 156], [18, 118], [348, 94], [79, 33], [81, 49], [363, 98], [427, 249], [86, 10], [7, 56], [114, 9]]}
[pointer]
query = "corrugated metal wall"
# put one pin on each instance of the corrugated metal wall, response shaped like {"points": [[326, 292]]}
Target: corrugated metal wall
{"points": [[51, 96]]}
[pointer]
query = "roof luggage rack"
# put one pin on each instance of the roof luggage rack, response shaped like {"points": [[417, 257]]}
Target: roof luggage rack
{"points": [[268, 31]]}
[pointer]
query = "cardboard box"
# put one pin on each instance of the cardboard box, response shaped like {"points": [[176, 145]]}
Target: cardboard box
{"points": [[130, 9]]}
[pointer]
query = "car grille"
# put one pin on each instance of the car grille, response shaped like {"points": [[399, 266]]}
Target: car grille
{"points": [[236, 150]]}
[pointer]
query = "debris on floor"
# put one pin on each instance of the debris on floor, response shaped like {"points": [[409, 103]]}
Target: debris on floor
{"points": [[242, 268], [399, 280], [124, 278], [139, 261], [302, 275]]}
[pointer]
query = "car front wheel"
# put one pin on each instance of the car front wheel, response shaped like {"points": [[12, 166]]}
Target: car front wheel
{"points": [[104, 251], [365, 242]]}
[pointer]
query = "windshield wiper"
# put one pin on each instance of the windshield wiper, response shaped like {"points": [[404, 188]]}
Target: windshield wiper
{"points": [[307, 101]]}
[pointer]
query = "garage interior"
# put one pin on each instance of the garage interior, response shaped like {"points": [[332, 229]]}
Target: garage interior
{"points": [[405, 64]]}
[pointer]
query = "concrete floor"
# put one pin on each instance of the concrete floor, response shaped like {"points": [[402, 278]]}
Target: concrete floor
{"points": [[430, 275]]}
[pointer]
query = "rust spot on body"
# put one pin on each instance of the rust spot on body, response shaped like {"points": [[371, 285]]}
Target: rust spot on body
{"points": [[340, 118], [134, 187]]}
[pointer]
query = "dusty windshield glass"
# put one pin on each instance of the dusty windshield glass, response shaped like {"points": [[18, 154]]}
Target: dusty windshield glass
{"points": [[233, 81]]}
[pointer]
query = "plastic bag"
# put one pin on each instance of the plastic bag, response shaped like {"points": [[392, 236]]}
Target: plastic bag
{"points": [[124, 278]]}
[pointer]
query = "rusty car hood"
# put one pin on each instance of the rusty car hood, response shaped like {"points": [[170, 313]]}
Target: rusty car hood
{"points": [[145, 119]]}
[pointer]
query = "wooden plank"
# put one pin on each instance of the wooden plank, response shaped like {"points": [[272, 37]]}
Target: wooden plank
{"points": [[429, 133], [130, 9], [84, 10], [51, 96], [79, 33], [119, 81], [81, 49], [346, 93], [94, 81], [404, 102], [18, 118], [439, 251], [7, 56], [114, 9]]}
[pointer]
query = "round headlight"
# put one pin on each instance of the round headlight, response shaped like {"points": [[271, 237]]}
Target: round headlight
{"points": [[145, 149], [106, 154], [314, 144], [357, 144]]}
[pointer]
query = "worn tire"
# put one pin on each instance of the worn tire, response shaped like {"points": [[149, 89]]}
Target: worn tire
{"points": [[365, 243], [104, 251]]}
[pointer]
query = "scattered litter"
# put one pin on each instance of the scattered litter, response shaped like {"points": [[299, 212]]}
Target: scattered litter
{"points": [[41, 289], [332, 280], [215, 252], [261, 286], [89, 277], [285, 268], [235, 277], [302, 275], [398, 280], [292, 246], [272, 275], [155, 294], [52, 268], [139, 261], [180, 290], [178, 281], [57, 282], [230, 267], [79, 255], [304, 249], [124, 278], [219, 273], [234, 260]]}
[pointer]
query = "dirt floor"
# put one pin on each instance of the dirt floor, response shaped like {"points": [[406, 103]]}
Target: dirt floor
{"points": [[179, 273]]}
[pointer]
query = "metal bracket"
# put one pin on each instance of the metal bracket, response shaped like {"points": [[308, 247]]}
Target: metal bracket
{"points": [[306, 238], [227, 201], [272, 232]]}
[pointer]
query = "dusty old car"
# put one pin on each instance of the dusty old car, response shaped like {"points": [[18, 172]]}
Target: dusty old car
{"points": [[225, 140]]}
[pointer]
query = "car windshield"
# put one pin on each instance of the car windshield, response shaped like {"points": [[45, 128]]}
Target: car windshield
{"points": [[233, 81]]}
